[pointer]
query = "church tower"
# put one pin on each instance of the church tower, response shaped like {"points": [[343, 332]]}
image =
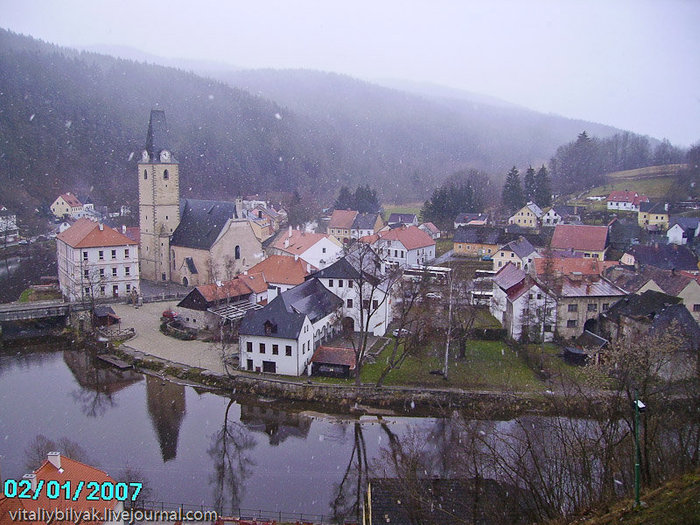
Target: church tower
{"points": [[159, 200]]}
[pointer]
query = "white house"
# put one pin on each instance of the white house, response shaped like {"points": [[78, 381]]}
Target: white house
{"points": [[281, 337], [318, 249], [683, 230], [404, 246], [96, 261], [625, 200], [366, 294], [519, 252], [66, 204], [522, 305]]}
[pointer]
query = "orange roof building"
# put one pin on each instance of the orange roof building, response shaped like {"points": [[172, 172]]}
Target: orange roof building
{"points": [[589, 241], [318, 249], [283, 271], [404, 246]]}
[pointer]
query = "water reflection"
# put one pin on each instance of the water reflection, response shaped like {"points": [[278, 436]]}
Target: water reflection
{"points": [[277, 424], [166, 407]]}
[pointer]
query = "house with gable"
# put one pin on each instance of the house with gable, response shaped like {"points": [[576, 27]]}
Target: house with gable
{"points": [[66, 205], [95, 260], [625, 200], [653, 216], [318, 249], [281, 273], [560, 214], [60, 470], [683, 230], [365, 289], [589, 241], [281, 337], [519, 252], [404, 219], [366, 224], [341, 223], [524, 307], [211, 243], [528, 216], [403, 246], [430, 229], [208, 306]]}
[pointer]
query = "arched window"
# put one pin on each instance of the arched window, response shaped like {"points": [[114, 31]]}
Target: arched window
{"points": [[237, 252], [165, 174], [145, 175]]}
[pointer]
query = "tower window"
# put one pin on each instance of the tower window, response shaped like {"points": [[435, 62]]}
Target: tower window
{"points": [[145, 175], [165, 174], [237, 252]]}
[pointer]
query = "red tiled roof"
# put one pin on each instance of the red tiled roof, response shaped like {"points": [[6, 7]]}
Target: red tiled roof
{"points": [[342, 219], [71, 200], [411, 237], [334, 356], [87, 234], [299, 241], [579, 237], [567, 265], [233, 288], [282, 269], [71, 471], [627, 196]]}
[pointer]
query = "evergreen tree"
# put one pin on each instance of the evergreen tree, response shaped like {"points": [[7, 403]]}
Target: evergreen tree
{"points": [[530, 187], [345, 200], [543, 190], [513, 197], [366, 200]]}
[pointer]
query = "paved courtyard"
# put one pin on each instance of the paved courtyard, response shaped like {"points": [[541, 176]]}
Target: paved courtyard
{"points": [[149, 339]]}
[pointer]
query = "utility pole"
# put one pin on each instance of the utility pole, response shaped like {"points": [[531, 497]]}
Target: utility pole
{"points": [[638, 406], [449, 330]]}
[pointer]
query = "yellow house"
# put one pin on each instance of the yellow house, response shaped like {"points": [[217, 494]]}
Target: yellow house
{"points": [[528, 216], [66, 204], [653, 216], [477, 241]]}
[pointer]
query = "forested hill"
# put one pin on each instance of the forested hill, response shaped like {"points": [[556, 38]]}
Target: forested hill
{"points": [[73, 121]]}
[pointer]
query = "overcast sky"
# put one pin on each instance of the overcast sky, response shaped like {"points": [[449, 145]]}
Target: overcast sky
{"points": [[631, 64]]}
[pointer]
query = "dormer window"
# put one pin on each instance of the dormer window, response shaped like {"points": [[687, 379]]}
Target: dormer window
{"points": [[166, 175], [270, 328]]}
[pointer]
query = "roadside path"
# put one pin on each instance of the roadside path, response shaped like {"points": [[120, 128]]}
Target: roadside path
{"points": [[150, 340]]}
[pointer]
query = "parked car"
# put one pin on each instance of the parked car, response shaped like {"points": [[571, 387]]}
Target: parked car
{"points": [[401, 332], [170, 315], [487, 258], [433, 295]]}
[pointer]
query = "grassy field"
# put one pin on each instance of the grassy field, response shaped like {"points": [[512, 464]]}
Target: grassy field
{"points": [[402, 208], [650, 171]]}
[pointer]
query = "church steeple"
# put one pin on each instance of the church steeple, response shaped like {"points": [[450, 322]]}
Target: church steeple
{"points": [[157, 139]]}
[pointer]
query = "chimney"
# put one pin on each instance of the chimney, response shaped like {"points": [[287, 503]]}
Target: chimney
{"points": [[286, 242], [308, 268], [102, 227], [124, 229], [296, 256], [290, 230], [55, 459], [576, 276], [32, 480]]}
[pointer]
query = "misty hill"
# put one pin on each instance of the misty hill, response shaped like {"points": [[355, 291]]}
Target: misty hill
{"points": [[76, 121]]}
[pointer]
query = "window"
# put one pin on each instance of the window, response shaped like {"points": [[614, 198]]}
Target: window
{"points": [[127, 271], [128, 288], [350, 284], [571, 323], [101, 255], [548, 328], [85, 256], [249, 346], [102, 290], [262, 348], [512, 255], [114, 254], [126, 253], [288, 350], [606, 306], [145, 175], [166, 175], [592, 307], [86, 273], [330, 283], [340, 283], [275, 349], [323, 250], [539, 296], [87, 291], [237, 252], [572, 308], [349, 303], [115, 290], [102, 272], [365, 304], [375, 304], [114, 272]]}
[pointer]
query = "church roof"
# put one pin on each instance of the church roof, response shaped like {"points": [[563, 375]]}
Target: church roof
{"points": [[201, 223], [157, 138]]}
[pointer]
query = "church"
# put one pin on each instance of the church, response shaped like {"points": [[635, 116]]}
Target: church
{"points": [[191, 242]]}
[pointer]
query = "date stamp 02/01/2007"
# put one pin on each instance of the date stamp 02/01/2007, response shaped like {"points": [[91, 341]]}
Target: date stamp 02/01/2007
{"points": [[67, 491]]}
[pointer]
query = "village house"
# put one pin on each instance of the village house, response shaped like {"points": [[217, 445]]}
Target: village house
{"points": [[560, 214], [676, 284], [211, 243], [366, 224], [625, 200], [477, 241], [64, 472], [548, 267], [590, 241], [281, 337], [471, 219], [405, 219], [318, 249], [359, 280], [333, 362], [527, 217], [281, 273], [341, 223], [623, 233], [430, 229], [683, 230], [663, 256], [66, 205], [653, 216], [523, 306], [96, 261], [519, 252], [208, 306], [580, 298], [404, 246]]}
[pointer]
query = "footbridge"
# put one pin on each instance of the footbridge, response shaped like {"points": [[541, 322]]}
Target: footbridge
{"points": [[33, 310]]}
